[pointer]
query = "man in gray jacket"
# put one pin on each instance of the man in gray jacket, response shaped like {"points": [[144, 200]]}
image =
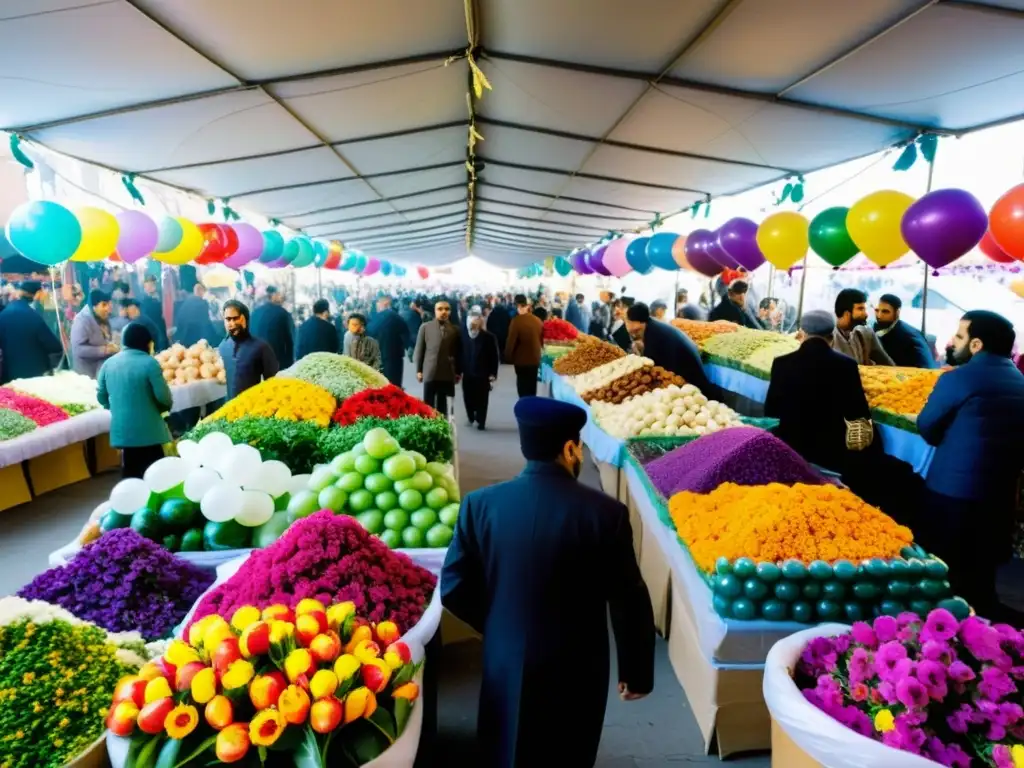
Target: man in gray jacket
{"points": [[92, 340], [852, 336], [438, 358]]}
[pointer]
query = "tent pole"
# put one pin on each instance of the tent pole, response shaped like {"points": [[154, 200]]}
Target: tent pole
{"points": [[924, 295], [800, 300]]}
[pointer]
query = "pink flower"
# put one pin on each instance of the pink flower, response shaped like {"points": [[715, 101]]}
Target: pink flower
{"points": [[911, 693], [960, 720], [960, 672], [995, 684], [983, 641], [940, 625], [863, 634], [860, 666], [933, 677], [1002, 757], [934, 650], [886, 628]]}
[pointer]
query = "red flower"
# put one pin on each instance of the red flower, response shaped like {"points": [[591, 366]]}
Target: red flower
{"points": [[388, 402], [557, 329]]}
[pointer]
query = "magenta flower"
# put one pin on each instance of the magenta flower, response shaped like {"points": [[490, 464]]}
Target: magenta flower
{"points": [[983, 641], [960, 672], [856, 720], [932, 675], [1002, 757], [860, 666], [887, 656], [863, 634], [961, 719], [995, 684], [886, 628], [911, 693], [940, 625], [933, 650]]}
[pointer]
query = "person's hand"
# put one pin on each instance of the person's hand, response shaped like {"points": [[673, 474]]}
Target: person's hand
{"points": [[627, 695], [419, 377]]}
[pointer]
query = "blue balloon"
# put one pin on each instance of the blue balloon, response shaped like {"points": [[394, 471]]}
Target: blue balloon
{"points": [[636, 255], [348, 262], [361, 262], [302, 250], [399, 271], [659, 250], [273, 246], [385, 268], [169, 234], [45, 232], [319, 253]]}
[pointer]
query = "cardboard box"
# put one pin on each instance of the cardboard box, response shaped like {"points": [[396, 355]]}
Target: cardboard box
{"points": [[657, 576], [727, 703], [609, 478], [785, 752]]}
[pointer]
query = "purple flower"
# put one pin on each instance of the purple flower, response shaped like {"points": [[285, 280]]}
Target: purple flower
{"points": [[887, 656], [932, 675], [1010, 713], [961, 718], [995, 684], [983, 641], [940, 625], [947, 754], [819, 653], [860, 666], [911, 693], [857, 721], [960, 672], [829, 694], [933, 650], [863, 634], [886, 628], [887, 692], [905, 736]]}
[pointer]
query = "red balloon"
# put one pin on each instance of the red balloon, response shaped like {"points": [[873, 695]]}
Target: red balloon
{"points": [[1006, 222], [423, 272], [990, 248], [230, 239], [212, 251], [333, 260]]}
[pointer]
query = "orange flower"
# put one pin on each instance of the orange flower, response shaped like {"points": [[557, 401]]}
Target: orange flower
{"points": [[232, 743], [181, 721]]}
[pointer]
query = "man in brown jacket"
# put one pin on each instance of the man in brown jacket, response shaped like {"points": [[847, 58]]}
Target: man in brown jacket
{"points": [[438, 358], [523, 347]]}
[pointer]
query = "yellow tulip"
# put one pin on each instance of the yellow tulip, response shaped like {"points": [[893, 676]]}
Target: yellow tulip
{"points": [[204, 685], [346, 666], [181, 721], [360, 702], [238, 674], [266, 727], [179, 653], [244, 616], [323, 684], [157, 689]]}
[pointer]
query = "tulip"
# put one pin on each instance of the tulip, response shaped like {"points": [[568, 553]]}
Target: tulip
{"points": [[157, 689], [376, 674], [323, 684], [204, 685], [360, 702], [307, 626], [366, 650], [216, 632], [255, 640], [346, 666], [244, 616], [166, 670], [181, 721], [309, 605], [281, 631], [325, 715], [198, 630], [387, 632], [278, 612], [266, 689], [131, 688], [266, 727], [226, 653], [294, 705], [408, 691], [299, 663], [152, 716], [338, 613], [122, 717], [232, 743], [237, 675], [397, 655], [359, 634], [183, 682], [180, 653], [150, 671], [219, 712], [325, 648]]}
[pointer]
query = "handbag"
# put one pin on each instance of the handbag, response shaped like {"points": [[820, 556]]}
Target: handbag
{"points": [[860, 433]]}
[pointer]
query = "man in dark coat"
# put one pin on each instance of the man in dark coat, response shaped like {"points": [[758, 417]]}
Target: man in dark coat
{"points": [[733, 307], [247, 359], [975, 419], [317, 334], [27, 345], [413, 320], [152, 308], [438, 359], [576, 312], [273, 323], [132, 310], [480, 361], [498, 322], [906, 345], [524, 346], [192, 318], [535, 565], [670, 348], [392, 335]]}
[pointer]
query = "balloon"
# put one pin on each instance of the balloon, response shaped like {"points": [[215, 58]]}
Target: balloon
{"points": [[189, 451], [44, 232], [333, 260], [257, 508], [372, 267], [298, 483], [578, 261], [190, 246], [549, 263], [348, 262], [199, 481], [250, 245], [213, 448], [718, 254], [659, 250], [829, 238], [944, 225], [299, 252], [562, 266], [385, 268], [1006, 222], [222, 502], [129, 495], [697, 244], [164, 474], [423, 272], [169, 234], [595, 260], [990, 248], [615, 260], [361, 263], [1017, 286], [874, 225], [738, 238], [242, 465], [319, 253], [100, 232], [273, 478], [214, 248], [399, 271], [636, 255], [273, 246], [138, 236], [679, 252]]}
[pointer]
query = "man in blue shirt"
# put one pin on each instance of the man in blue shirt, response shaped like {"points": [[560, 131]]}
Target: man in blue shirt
{"points": [[247, 360]]}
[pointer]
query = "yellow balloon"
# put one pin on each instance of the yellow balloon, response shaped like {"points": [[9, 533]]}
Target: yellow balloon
{"points": [[190, 246], [783, 238], [549, 263], [100, 231], [1017, 286], [874, 225]]}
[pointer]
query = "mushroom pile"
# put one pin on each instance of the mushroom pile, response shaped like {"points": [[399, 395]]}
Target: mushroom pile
{"points": [[199, 362]]}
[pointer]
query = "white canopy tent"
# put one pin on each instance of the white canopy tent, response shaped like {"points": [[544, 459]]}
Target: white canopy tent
{"points": [[349, 120]]}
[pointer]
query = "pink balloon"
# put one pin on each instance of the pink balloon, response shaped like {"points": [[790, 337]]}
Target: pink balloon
{"points": [[250, 245], [138, 236], [372, 267], [615, 257]]}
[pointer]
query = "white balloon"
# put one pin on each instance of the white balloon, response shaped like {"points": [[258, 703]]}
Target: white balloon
{"points": [[199, 481], [129, 495], [242, 465], [257, 508], [222, 502], [166, 473], [214, 448], [298, 483], [273, 478], [189, 451]]}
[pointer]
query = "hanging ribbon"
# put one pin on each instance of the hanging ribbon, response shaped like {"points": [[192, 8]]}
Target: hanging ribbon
{"points": [[19, 153], [128, 180], [925, 145]]}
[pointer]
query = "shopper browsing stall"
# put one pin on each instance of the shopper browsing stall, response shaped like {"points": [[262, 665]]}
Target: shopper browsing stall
{"points": [[670, 348], [852, 337], [28, 347], [91, 339], [274, 324]]}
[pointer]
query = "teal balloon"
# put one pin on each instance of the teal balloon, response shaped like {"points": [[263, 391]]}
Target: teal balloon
{"points": [[562, 266], [44, 232], [169, 235], [319, 253], [399, 271], [659, 250], [385, 268], [636, 255], [361, 262], [348, 261], [299, 252], [273, 246]]}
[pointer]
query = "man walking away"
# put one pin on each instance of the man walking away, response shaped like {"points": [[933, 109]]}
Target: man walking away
{"points": [[577, 313], [192, 318], [438, 358], [273, 323], [392, 335], [358, 345], [479, 368], [523, 348], [317, 334], [498, 322]]}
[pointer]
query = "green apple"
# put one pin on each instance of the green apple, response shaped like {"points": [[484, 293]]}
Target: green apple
{"points": [[449, 514], [396, 519], [400, 466], [439, 536], [342, 463], [321, 478], [391, 537], [423, 518], [387, 500], [437, 498], [332, 498], [350, 481], [422, 481], [377, 483], [410, 500], [412, 538], [360, 501], [303, 504], [372, 520]]}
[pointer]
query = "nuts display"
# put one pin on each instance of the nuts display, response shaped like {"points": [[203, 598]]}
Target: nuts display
{"points": [[587, 356], [700, 331], [633, 384]]}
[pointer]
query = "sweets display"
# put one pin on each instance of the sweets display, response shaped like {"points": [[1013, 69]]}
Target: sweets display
{"points": [[899, 390], [700, 330], [605, 374], [634, 384], [587, 356], [558, 330], [672, 411]]}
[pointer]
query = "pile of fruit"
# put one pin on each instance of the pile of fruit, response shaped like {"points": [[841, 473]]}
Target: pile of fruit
{"points": [[762, 359], [199, 362], [395, 494], [587, 356], [605, 374], [898, 390], [677, 411], [558, 330], [700, 330], [633, 385]]}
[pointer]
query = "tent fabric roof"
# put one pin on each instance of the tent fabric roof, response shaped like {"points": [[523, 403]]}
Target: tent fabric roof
{"points": [[349, 120]]}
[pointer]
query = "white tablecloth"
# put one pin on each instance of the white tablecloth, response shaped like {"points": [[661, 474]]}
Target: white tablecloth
{"points": [[196, 394], [54, 436]]}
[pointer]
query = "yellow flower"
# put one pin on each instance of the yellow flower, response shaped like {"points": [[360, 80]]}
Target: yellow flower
{"points": [[238, 674], [1017, 753], [204, 685], [281, 631], [266, 727], [245, 616], [281, 398], [181, 721], [338, 613], [157, 689], [323, 684], [298, 663], [346, 666], [884, 721], [180, 653]]}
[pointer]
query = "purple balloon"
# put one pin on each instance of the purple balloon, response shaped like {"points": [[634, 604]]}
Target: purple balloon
{"points": [[738, 238], [697, 244], [278, 264], [596, 261], [372, 267], [250, 245], [718, 254], [944, 225], [579, 262], [138, 236]]}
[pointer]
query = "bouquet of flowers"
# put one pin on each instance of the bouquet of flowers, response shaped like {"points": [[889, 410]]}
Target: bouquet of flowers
{"points": [[317, 685], [388, 402], [948, 690]]}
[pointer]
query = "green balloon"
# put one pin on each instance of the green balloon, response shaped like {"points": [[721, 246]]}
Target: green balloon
{"points": [[562, 266], [830, 239]]}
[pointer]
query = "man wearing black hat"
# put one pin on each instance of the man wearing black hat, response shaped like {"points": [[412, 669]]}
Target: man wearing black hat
{"points": [[670, 348], [535, 565], [26, 342]]}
